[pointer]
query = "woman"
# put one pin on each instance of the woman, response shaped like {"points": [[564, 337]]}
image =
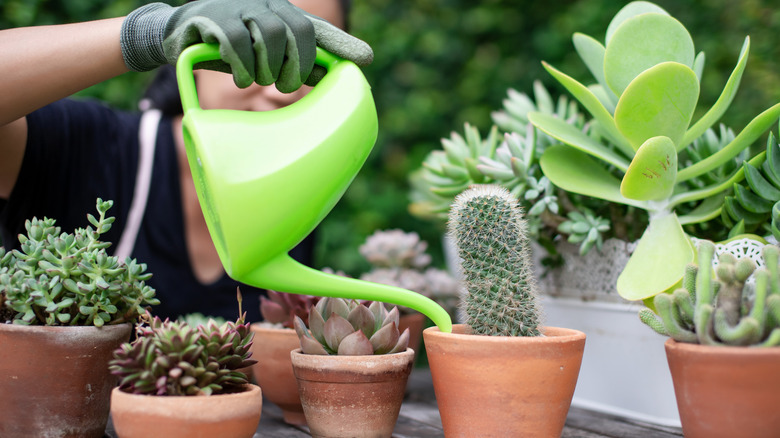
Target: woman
{"points": [[58, 156]]}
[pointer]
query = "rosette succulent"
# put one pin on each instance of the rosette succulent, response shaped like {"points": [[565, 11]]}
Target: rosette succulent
{"points": [[58, 278], [348, 328], [282, 308], [176, 358]]}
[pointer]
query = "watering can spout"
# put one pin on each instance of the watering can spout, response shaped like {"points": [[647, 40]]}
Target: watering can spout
{"points": [[285, 274]]}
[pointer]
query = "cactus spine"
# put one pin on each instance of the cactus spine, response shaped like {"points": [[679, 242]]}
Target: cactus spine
{"points": [[711, 310], [488, 228]]}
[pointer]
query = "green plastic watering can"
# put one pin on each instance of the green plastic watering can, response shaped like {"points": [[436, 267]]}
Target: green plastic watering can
{"points": [[265, 180]]}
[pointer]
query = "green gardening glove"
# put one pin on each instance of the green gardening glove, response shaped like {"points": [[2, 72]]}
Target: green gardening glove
{"points": [[263, 41]]}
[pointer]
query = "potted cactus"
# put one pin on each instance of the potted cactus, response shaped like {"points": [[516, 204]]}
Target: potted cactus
{"points": [[274, 340], [724, 344], [352, 367], [179, 380], [65, 305], [501, 359]]}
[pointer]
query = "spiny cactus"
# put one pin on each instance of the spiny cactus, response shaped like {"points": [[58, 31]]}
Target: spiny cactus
{"points": [[717, 311], [175, 358], [282, 308], [348, 328], [68, 279], [488, 228]]}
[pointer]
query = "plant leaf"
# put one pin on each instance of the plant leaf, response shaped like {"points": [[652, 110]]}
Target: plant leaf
{"points": [[631, 10], [356, 344], [592, 54], [572, 136], [575, 171], [652, 172], [659, 101], [659, 261]]}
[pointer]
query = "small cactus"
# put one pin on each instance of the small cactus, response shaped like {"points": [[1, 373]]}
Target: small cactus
{"points": [[488, 228], [348, 328], [176, 358], [713, 311]]}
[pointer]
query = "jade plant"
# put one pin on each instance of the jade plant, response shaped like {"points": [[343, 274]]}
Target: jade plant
{"points": [[398, 258], [59, 278], [487, 225], [349, 328], [647, 79], [177, 358], [719, 309]]}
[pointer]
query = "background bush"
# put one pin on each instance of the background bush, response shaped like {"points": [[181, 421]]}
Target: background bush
{"points": [[440, 63]]}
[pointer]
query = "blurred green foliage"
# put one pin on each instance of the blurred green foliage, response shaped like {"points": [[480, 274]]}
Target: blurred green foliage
{"points": [[440, 63]]}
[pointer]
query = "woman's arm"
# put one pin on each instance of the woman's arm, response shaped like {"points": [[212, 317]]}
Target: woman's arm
{"points": [[44, 64]]}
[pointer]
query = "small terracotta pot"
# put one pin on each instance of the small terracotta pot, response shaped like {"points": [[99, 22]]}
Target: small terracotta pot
{"points": [[273, 371], [234, 415], [352, 396], [726, 391], [54, 381], [500, 386]]}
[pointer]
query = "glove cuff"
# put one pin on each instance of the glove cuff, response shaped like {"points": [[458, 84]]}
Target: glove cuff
{"points": [[142, 36]]}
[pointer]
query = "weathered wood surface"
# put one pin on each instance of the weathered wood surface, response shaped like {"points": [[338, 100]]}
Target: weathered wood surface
{"points": [[419, 418]]}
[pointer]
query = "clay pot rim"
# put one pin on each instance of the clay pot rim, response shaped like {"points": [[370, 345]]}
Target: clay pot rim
{"points": [[63, 328], [248, 390], [361, 358], [720, 350], [556, 334], [259, 326]]}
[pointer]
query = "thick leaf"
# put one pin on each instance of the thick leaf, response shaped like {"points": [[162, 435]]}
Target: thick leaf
{"points": [[722, 104], [362, 319], [385, 338], [572, 136], [708, 209], [642, 42], [592, 54], [659, 261], [750, 134], [631, 10], [356, 344], [577, 172], [311, 346], [336, 329], [652, 172], [594, 107], [659, 101]]}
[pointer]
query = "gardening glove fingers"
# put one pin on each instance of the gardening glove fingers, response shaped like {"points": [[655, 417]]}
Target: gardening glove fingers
{"points": [[340, 43]]}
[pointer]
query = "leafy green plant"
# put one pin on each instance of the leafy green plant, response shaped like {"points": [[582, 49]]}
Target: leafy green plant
{"points": [[647, 87], [490, 233], [720, 311], [59, 278], [177, 358], [348, 328]]}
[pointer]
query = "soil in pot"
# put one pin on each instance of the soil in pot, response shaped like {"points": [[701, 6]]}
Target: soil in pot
{"points": [[352, 396], [498, 386], [54, 381], [234, 415]]}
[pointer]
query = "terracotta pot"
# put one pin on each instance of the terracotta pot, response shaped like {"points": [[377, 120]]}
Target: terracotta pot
{"points": [[54, 381], [235, 415], [273, 371], [726, 391], [415, 322], [497, 386], [352, 396]]}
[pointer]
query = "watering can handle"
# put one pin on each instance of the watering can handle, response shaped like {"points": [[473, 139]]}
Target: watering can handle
{"points": [[210, 52]]}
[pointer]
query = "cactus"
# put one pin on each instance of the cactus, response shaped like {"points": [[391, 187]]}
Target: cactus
{"points": [[348, 328], [717, 311], [490, 233]]}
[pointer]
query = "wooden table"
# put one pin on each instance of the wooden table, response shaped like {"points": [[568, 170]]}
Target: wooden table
{"points": [[420, 418]]}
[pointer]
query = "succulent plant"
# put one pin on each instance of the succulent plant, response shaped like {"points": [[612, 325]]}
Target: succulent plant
{"points": [[282, 308], [58, 278], [395, 249], [197, 318], [348, 328], [720, 311], [490, 233], [176, 358], [647, 79]]}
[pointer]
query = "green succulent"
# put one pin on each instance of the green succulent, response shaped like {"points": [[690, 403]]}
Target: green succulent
{"points": [[176, 358], [720, 310], [348, 328], [58, 278]]}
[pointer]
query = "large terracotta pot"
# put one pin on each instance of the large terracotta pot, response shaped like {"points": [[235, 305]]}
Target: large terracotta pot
{"points": [[352, 396], [726, 391], [234, 415], [273, 371], [54, 381], [498, 386]]}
